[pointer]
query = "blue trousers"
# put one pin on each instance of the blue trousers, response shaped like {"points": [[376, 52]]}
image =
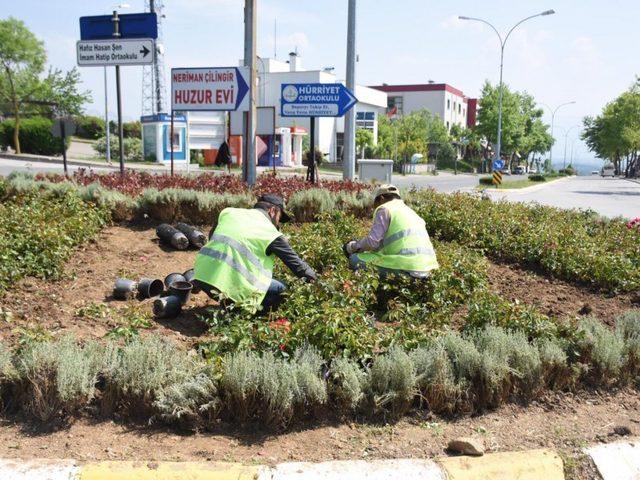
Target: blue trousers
{"points": [[272, 299]]}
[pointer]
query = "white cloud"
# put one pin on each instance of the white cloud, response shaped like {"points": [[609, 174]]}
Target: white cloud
{"points": [[584, 54]]}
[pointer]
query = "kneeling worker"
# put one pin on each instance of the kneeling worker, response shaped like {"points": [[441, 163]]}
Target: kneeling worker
{"points": [[398, 241], [238, 260]]}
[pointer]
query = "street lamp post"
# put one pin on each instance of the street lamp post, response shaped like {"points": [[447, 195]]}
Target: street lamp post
{"points": [[566, 134], [553, 116], [502, 45]]}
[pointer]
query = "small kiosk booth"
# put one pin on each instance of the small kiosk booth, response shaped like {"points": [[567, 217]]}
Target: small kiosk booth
{"points": [[157, 142]]}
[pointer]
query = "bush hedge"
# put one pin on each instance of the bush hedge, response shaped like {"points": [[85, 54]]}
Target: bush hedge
{"points": [[485, 181], [35, 136], [537, 178], [452, 373], [89, 127]]}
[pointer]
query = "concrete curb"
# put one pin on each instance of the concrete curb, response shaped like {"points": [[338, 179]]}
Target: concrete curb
{"points": [[528, 465], [617, 461], [532, 188]]}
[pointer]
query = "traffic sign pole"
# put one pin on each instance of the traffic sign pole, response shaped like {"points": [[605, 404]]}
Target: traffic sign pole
{"points": [[311, 168], [116, 34], [171, 141], [63, 132]]}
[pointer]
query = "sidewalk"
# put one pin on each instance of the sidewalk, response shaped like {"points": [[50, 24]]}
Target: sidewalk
{"points": [[527, 465]]}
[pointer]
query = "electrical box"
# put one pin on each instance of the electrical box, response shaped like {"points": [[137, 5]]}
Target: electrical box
{"points": [[157, 142], [376, 169]]}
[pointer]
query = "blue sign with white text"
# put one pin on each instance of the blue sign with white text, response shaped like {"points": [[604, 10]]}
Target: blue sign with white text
{"points": [[498, 164], [132, 25], [315, 100]]}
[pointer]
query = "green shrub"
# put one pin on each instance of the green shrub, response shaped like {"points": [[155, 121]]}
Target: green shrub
{"points": [[90, 127], [140, 371], [132, 148], [7, 371], [35, 136], [191, 403], [555, 369], [38, 233], [537, 178], [391, 383], [435, 378], [132, 129], [271, 389], [628, 327], [602, 350], [192, 206], [347, 384], [486, 308], [57, 378], [308, 205]]}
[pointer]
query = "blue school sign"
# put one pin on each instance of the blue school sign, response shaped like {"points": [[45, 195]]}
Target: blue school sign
{"points": [[315, 100]]}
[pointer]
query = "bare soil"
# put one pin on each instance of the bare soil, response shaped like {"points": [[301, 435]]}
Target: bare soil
{"points": [[133, 251], [560, 421]]}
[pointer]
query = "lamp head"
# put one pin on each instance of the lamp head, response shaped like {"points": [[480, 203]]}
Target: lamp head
{"points": [[548, 12], [461, 17]]}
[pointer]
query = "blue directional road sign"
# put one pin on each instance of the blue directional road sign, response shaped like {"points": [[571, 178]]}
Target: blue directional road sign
{"points": [[498, 164], [315, 100], [132, 25]]}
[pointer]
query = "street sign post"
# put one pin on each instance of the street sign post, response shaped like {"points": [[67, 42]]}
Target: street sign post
{"points": [[61, 128], [117, 40], [315, 100], [132, 25], [497, 178], [498, 164], [117, 51]]}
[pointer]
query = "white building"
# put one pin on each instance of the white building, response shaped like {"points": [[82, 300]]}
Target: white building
{"points": [[273, 73], [449, 103]]}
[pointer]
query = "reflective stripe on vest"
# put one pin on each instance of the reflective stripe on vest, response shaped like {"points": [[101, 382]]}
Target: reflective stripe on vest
{"points": [[237, 266], [406, 245], [234, 261]]}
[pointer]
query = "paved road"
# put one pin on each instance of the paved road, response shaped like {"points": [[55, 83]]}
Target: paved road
{"points": [[610, 197], [443, 182]]}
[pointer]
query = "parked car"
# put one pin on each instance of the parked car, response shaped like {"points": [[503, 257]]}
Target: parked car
{"points": [[533, 170], [520, 170], [505, 171], [595, 172], [608, 171]]}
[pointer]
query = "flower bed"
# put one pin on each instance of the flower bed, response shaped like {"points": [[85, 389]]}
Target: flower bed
{"points": [[134, 182], [38, 234], [576, 246], [152, 379]]}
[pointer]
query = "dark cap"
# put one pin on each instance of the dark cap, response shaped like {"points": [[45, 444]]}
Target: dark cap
{"points": [[276, 201]]}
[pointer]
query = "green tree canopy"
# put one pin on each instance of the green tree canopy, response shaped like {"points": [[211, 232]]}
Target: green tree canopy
{"points": [[22, 89]]}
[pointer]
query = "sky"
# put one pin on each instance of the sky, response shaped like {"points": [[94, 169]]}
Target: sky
{"points": [[587, 52]]}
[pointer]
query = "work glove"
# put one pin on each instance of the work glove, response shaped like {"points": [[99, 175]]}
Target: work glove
{"points": [[349, 248]]}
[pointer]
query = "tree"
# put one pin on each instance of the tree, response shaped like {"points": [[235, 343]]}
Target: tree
{"points": [[614, 135], [22, 61], [364, 139], [22, 58]]}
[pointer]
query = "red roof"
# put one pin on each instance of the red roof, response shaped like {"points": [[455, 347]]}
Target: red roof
{"points": [[419, 87]]}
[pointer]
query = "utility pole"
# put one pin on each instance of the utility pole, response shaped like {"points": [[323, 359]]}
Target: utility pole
{"points": [[349, 156], [106, 117], [116, 34], [250, 15]]}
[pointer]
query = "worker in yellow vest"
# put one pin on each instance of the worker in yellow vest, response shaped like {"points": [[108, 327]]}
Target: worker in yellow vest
{"points": [[398, 241], [238, 260]]}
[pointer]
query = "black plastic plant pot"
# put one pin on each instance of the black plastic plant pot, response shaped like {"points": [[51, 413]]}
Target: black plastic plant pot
{"points": [[182, 290], [189, 275], [167, 307], [172, 236], [124, 289], [173, 277], [197, 239], [150, 287]]}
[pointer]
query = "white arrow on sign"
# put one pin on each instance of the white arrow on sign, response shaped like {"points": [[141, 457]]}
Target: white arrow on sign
{"points": [[119, 51]]}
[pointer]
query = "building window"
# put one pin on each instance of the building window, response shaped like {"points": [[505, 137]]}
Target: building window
{"points": [[448, 104], [447, 125], [366, 120], [339, 146], [459, 108], [395, 102], [464, 111]]}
